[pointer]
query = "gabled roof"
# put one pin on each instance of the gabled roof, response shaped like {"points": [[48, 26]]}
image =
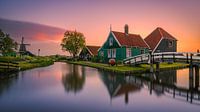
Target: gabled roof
{"points": [[93, 49], [132, 40], [156, 36]]}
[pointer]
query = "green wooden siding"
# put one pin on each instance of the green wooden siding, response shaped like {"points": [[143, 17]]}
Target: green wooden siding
{"points": [[120, 50]]}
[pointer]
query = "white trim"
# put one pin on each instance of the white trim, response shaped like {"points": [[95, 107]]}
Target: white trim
{"points": [[109, 53], [146, 43], [116, 38], [114, 53], [108, 40], [128, 50], [89, 51], [157, 45]]}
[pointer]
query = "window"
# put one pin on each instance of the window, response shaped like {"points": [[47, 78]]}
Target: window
{"points": [[101, 53], [109, 53], [142, 51], [110, 41], [170, 43], [114, 53], [128, 52]]}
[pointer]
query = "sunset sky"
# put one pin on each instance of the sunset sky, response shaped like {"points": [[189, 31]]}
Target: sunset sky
{"points": [[181, 18]]}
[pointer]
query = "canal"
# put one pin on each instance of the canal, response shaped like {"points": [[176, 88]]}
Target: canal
{"points": [[68, 88]]}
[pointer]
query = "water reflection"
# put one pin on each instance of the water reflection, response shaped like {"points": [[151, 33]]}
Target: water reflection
{"points": [[7, 82], [118, 85], [74, 79], [44, 89], [159, 83]]}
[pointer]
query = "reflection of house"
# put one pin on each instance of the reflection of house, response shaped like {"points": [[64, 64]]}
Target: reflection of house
{"points": [[161, 41], [88, 52], [121, 45], [117, 85]]}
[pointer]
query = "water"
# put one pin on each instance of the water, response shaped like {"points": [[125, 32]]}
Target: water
{"points": [[68, 88]]}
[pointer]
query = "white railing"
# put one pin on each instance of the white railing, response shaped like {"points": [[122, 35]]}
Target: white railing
{"points": [[180, 56]]}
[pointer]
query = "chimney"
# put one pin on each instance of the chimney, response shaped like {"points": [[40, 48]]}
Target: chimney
{"points": [[126, 29]]}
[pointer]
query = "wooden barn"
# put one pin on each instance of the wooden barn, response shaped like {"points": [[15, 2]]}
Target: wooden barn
{"points": [[161, 41]]}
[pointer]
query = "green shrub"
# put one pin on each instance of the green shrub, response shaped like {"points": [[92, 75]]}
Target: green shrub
{"points": [[95, 59]]}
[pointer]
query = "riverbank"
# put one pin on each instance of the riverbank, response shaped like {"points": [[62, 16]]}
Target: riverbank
{"points": [[25, 63], [129, 69]]}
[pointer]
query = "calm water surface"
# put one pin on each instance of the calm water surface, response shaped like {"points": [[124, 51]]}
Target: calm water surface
{"points": [[68, 88]]}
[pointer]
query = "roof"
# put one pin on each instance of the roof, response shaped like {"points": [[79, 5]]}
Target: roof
{"points": [[93, 49], [125, 88], [133, 40], [154, 38]]}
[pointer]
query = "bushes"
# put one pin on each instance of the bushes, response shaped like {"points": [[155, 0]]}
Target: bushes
{"points": [[95, 59]]}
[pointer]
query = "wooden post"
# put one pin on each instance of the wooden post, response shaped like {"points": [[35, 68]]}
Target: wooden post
{"points": [[174, 57], [162, 57], [141, 59], [196, 77], [187, 58], [157, 66], [191, 59], [153, 58]]}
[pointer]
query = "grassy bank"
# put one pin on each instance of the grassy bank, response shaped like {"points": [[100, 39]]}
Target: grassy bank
{"points": [[27, 62], [129, 69]]}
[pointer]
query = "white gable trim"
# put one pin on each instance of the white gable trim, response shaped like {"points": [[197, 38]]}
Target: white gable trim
{"points": [[116, 39], [146, 43], [157, 45], [108, 40], [89, 51]]}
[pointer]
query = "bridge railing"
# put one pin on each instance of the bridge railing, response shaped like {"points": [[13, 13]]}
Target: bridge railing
{"points": [[164, 56], [136, 59]]}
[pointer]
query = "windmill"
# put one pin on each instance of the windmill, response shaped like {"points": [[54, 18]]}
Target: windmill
{"points": [[22, 48]]}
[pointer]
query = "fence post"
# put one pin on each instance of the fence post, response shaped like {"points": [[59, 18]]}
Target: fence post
{"points": [[173, 57], [153, 58], [187, 58], [191, 59], [162, 57]]}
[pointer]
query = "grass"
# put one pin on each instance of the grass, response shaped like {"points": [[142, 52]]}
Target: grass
{"points": [[128, 69], [27, 62]]}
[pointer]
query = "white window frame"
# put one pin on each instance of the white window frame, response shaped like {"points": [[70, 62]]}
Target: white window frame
{"points": [[102, 53], [128, 52], [109, 53], [110, 41], [114, 53]]}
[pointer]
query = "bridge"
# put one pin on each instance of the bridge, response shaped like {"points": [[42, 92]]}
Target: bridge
{"points": [[185, 57]]}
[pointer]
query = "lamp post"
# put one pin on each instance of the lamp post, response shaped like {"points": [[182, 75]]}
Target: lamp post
{"points": [[38, 52]]}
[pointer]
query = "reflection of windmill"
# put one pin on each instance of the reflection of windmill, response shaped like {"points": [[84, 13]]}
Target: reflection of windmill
{"points": [[22, 48]]}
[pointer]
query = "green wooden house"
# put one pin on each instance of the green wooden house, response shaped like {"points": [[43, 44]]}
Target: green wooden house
{"points": [[121, 45]]}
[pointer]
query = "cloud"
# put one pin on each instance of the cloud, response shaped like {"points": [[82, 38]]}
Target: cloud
{"points": [[46, 38], [31, 31]]}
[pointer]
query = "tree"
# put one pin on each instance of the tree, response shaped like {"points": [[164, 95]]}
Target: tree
{"points": [[73, 42], [7, 44]]}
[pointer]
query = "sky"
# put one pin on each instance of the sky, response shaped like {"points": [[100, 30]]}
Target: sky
{"points": [[93, 18]]}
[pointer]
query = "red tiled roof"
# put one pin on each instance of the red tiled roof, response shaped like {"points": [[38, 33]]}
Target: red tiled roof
{"points": [[130, 39], [153, 39], [93, 49]]}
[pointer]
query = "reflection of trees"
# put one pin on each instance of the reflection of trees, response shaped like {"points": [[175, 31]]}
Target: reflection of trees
{"points": [[7, 82], [73, 81]]}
